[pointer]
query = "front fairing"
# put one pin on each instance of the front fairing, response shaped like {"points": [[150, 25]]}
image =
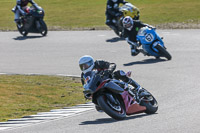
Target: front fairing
{"points": [[113, 87], [149, 40], [146, 35], [95, 84], [38, 13], [92, 81]]}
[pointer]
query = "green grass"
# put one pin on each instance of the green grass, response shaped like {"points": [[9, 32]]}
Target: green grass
{"points": [[22, 95], [69, 14]]}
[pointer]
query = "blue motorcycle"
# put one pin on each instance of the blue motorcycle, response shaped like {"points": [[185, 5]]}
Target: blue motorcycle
{"points": [[152, 44]]}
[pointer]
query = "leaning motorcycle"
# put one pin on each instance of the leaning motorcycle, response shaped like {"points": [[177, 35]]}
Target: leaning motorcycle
{"points": [[115, 97], [33, 22], [152, 44], [127, 9]]}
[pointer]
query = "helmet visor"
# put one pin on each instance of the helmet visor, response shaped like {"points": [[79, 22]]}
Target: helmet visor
{"points": [[86, 65], [127, 26]]}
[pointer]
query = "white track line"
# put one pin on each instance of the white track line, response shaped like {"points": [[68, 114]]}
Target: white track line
{"points": [[46, 116]]}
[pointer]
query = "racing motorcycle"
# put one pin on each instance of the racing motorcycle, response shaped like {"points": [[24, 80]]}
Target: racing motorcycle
{"points": [[127, 9], [115, 97], [33, 22], [152, 44]]}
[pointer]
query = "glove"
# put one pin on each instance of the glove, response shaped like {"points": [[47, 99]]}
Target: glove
{"points": [[107, 72], [118, 14], [150, 26], [133, 44], [24, 14], [88, 96]]}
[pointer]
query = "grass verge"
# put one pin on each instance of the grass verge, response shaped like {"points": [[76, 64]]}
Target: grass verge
{"points": [[90, 14], [22, 95]]}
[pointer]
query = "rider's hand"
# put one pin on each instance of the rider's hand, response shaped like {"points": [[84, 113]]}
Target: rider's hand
{"points": [[106, 72], [152, 27], [87, 96], [24, 14], [118, 14]]}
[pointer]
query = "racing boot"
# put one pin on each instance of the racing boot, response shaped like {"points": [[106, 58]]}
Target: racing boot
{"points": [[98, 108], [143, 52], [18, 23], [134, 50]]}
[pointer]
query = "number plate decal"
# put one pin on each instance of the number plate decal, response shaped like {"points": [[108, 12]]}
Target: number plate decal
{"points": [[149, 37]]}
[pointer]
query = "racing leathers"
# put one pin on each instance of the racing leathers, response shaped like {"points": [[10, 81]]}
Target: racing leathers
{"points": [[112, 11], [20, 7], [109, 68], [130, 36]]}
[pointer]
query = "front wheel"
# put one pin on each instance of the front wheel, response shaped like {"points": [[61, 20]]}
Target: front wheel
{"points": [[43, 29], [164, 52], [115, 110]]}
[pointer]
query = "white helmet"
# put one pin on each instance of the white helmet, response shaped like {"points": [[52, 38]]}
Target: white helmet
{"points": [[86, 63], [128, 23]]}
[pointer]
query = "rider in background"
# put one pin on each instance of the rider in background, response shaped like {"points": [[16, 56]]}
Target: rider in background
{"points": [[131, 28], [87, 64], [112, 11], [20, 7]]}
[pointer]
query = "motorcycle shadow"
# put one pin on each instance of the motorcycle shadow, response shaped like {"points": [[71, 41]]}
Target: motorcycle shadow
{"points": [[146, 61], [26, 37], [115, 39], [111, 120]]}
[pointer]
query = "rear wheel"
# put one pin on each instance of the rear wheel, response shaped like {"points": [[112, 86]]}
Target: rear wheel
{"points": [[115, 110], [21, 30], [150, 103], [163, 52]]}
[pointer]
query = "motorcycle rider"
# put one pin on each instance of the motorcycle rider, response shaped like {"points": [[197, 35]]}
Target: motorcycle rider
{"points": [[131, 28], [20, 7], [112, 11], [87, 63]]}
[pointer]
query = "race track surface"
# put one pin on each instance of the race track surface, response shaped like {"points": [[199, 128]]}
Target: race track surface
{"points": [[174, 83]]}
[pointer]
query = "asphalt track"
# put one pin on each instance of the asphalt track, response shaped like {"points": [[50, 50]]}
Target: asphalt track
{"points": [[174, 83]]}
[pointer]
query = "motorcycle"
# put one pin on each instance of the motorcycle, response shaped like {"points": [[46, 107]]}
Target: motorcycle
{"points": [[115, 97], [152, 44], [127, 9], [33, 22]]}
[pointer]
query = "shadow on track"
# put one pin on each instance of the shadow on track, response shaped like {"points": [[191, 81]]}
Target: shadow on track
{"points": [[26, 37], [146, 61], [110, 120], [115, 39]]}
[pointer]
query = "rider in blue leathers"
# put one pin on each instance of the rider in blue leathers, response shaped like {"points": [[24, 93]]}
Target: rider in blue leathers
{"points": [[20, 7]]}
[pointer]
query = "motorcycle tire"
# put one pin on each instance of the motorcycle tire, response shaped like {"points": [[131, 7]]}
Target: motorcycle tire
{"points": [[163, 52], [22, 31], [44, 29], [117, 115], [151, 106]]}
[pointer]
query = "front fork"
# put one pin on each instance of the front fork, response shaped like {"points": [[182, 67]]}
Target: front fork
{"points": [[112, 99], [38, 25]]}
